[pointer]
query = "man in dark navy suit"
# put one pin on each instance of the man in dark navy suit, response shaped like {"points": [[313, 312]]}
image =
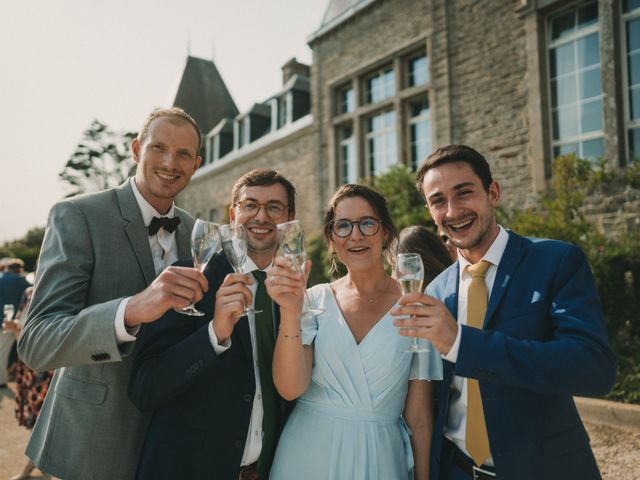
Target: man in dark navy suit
{"points": [[519, 324], [216, 413]]}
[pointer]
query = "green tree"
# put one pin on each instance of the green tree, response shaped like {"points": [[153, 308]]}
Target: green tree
{"points": [[406, 205], [615, 261], [26, 248], [100, 161]]}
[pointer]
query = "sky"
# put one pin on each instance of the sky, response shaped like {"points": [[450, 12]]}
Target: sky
{"points": [[67, 62]]}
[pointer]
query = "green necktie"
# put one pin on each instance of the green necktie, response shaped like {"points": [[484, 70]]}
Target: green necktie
{"points": [[265, 344], [476, 432]]}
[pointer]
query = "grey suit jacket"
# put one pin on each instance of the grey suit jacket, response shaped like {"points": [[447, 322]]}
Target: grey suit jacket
{"points": [[95, 253]]}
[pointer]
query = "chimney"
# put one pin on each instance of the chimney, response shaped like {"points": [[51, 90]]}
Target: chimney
{"points": [[294, 67]]}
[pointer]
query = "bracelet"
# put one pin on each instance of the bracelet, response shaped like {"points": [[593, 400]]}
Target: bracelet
{"points": [[292, 336]]}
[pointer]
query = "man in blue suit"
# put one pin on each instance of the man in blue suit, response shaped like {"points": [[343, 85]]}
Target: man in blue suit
{"points": [[507, 394]]}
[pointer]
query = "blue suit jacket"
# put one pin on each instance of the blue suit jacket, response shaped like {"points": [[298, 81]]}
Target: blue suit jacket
{"points": [[544, 341]]}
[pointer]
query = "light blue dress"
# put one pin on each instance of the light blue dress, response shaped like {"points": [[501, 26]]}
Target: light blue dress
{"points": [[348, 424]]}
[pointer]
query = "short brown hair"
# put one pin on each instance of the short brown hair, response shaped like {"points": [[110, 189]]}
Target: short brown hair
{"points": [[378, 204], [174, 115], [456, 153], [264, 177]]}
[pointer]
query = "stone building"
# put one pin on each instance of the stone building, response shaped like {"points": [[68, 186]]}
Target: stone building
{"points": [[520, 80]]}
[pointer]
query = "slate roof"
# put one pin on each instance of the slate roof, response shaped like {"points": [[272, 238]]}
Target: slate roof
{"points": [[203, 94]]}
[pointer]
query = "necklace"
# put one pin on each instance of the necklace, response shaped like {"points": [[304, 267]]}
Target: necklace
{"points": [[378, 294]]}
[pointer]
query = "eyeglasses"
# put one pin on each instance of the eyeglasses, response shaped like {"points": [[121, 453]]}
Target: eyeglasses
{"points": [[367, 226], [250, 208]]}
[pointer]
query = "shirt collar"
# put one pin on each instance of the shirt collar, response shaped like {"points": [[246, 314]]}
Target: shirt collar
{"points": [[493, 255], [250, 266], [146, 209]]}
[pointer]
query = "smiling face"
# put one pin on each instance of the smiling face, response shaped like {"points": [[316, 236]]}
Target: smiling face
{"points": [[166, 158], [357, 251], [462, 208], [261, 230]]}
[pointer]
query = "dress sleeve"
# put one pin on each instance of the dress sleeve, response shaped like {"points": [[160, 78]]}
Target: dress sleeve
{"points": [[309, 323], [426, 365]]}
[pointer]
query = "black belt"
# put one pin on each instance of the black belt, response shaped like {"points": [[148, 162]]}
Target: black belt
{"points": [[465, 464]]}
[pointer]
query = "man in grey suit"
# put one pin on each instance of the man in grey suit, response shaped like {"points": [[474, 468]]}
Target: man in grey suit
{"points": [[103, 273]]}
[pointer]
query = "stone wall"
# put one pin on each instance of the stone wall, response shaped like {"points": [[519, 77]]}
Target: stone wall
{"points": [[488, 90], [294, 156]]}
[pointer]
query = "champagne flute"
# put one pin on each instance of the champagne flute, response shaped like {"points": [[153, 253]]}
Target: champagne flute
{"points": [[410, 275], [234, 244], [8, 311], [291, 236], [205, 240]]}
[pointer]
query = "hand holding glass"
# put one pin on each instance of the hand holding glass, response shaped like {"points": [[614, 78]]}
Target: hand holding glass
{"points": [[410, 275], [8, 312], [205, 240], [291, 236], [234, 244]]}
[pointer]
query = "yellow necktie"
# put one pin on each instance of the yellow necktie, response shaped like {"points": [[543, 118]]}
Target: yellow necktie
{"points": [[476, 434]]}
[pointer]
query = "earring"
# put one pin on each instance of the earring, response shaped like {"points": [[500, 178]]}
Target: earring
{"points": [[333, 262]]}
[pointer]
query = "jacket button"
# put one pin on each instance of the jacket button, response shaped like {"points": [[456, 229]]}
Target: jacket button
{"points": [[247, 398], [237, 444]]}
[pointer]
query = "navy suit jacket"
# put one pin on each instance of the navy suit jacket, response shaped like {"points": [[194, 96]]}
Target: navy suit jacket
{"points": [[201, 402], [544, 341]]}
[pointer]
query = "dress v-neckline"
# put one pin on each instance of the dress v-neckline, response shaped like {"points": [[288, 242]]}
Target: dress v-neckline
{"points": [[344, 319]]}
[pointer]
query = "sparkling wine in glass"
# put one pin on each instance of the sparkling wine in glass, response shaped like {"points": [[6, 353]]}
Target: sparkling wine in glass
{"points": [[234, 245], [205, 240], [291, 237], [410, 276]]}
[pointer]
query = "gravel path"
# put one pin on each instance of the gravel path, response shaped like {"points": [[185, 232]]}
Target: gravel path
{"points": [[617, 450]]}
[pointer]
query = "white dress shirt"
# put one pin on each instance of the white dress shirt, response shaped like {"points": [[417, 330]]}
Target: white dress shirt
{"points": [[164, 251], [253, 445], [456, 424]]}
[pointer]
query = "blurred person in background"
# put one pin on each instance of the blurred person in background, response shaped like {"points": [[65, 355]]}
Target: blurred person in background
{"points": [[31, 386], [434, 253], [12, 286]]}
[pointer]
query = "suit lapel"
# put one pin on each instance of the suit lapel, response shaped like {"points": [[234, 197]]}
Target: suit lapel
{"points": [[451, 289], [135, 230], [509, 262], [183, 235]]}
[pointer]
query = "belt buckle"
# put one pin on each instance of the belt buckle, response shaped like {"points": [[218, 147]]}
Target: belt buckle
{"points": [[477, 471]]}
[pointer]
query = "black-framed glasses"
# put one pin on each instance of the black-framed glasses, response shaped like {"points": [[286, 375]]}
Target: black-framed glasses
{"points": [[250, 208], [368, 227]]}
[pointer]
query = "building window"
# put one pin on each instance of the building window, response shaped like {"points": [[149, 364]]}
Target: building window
{"points": [[377, 107], [347, 155], [576, 91], [381, 142], [419, 120], [631, 17], [283, 110], [418, 71], [380, 86], [346, 100], [210, 150]]}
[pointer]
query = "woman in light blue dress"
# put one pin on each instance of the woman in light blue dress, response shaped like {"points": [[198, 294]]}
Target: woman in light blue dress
{"points": [[364, 409]]}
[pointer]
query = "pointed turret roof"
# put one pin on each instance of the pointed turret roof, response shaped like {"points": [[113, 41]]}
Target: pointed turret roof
{"points": [[203, 94]]}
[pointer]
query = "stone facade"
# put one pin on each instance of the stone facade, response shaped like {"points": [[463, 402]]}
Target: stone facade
{"points": [[209, 192], [488, 87]]}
